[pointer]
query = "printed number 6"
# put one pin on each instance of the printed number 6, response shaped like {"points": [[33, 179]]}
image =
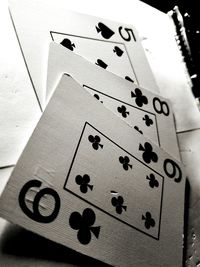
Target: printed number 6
{"points": [[35, 214], [129, 32], [171, 168]]}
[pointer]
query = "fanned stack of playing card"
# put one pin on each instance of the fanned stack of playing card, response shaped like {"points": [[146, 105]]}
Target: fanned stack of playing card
{"points": [[101, 173]]}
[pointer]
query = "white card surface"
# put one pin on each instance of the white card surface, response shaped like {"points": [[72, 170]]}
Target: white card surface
{"points": [[82, 182], [148, 113], [18, 105], [114, 45]]}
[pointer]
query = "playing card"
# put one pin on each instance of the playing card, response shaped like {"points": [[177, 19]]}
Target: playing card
{"points": [[148, 113], [111, 45], [88, 181], [18, 105]]}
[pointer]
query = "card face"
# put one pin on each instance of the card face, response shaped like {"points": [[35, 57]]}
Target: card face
{"points": [[111, 45], [94, 143], [19, 108], [83, 182], [149, 114]]}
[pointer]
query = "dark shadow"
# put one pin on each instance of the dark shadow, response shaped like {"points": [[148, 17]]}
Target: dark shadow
{"points": [[19, 242]]}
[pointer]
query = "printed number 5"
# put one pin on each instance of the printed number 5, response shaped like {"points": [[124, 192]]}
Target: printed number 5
{"points": [[35, 214], [129, 34]]}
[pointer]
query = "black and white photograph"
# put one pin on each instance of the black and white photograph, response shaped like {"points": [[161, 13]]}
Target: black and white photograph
{"points": [[100, 133]]}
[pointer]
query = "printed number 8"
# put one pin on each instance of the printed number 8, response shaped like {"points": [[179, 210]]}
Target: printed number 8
{"points": [[163, 107], [35, 214], [171, 172]]}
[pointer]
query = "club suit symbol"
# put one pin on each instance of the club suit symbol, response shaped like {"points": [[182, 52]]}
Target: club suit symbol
{"points": [[123, 111], [140, 99], [147, 120], [68, 44], [85, 225], [148, 154], [101, 63], [149, 221], [125, 162], [106, 32], [118, 202], [84, 182], [152, 180], [119, 52], [95, 140]]}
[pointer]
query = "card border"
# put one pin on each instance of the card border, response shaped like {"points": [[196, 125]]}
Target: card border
{"points": [[106, 41], [68, 190]]}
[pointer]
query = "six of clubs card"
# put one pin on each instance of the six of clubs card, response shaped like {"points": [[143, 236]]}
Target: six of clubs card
{"points": [[99, 193]]}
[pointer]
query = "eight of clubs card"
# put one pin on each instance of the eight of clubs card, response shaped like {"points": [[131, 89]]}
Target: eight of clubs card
{"points": [[148, 113]]}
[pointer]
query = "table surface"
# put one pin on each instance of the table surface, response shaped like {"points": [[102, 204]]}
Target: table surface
{"points": [[21, 112]]}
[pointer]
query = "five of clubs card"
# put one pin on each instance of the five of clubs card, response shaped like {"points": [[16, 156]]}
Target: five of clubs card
{"points": [[101, 172]]}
